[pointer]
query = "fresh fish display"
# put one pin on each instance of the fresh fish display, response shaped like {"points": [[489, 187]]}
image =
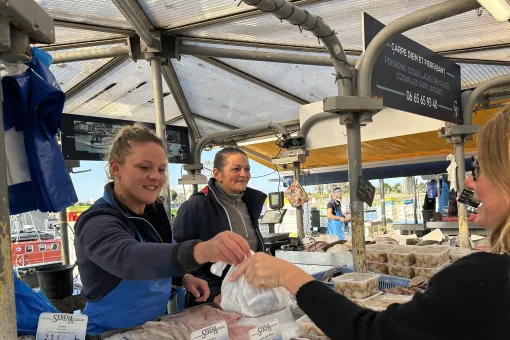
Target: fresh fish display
{"points": [[180, 326]]}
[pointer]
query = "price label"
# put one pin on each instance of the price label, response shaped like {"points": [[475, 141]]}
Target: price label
{"points": [[267, 331], [54, 326], [217, 331]]}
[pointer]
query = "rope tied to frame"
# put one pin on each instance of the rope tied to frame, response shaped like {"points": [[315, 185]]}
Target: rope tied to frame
{"points": [[338, 77]]}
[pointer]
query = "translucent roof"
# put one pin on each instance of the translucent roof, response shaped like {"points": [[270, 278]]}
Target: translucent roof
{"points": [[479, 43]]}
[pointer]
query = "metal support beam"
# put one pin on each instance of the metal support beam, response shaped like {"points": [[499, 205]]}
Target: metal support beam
{"points": [[90, 43], [138, 19], [175, 87], [98, 53], [422, 17], [383, 202], [253, 80], [357, 206], [157, 85], [257, 55], [476, 95], [239, 132], [352, 62], [95, 75], [173, 120], [249, 44], [215, 122], [90, 27], [299, 210], [7, 304], [255, 154], [64, 237], [233, 17], [462, 211]]}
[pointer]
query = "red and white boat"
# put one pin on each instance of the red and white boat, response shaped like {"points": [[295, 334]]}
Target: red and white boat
{"points": [[33, 247]]}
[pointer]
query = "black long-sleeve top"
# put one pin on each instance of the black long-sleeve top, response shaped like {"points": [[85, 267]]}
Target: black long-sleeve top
{"points": [[468, 300]]}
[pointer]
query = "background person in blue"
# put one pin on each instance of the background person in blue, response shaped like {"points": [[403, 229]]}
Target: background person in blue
{"points": [[336, 219], [124, 247]]}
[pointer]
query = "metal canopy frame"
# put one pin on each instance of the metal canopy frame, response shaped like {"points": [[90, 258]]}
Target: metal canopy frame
{"points": [[153, 46]]}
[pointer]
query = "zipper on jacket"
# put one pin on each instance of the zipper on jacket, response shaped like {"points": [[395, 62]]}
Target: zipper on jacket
{"points": [[242, 218], [226, 213], [143, 219], [257, 231]]}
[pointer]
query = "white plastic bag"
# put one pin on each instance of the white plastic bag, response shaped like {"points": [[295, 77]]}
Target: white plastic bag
{"points": [[240, 297]]}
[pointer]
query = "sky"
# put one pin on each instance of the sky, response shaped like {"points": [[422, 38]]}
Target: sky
{"points": [[89, 185]]}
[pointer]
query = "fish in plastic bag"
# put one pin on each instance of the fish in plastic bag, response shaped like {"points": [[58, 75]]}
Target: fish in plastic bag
{"points": [[240, 297]]}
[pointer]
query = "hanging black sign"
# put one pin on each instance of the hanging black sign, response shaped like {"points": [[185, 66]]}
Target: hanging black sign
{"points": [[412, 78], [89, 138], [366, 191]]}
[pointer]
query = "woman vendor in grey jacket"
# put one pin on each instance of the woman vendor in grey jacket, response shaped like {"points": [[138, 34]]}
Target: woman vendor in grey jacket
{"points": [[225, 204]]}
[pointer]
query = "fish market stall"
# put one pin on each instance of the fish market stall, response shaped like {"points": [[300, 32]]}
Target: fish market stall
{"points": [[203, 318]]}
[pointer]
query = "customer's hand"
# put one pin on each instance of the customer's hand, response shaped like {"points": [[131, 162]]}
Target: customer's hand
{"points": [[264, 271], [227, 247], [197, 287]]}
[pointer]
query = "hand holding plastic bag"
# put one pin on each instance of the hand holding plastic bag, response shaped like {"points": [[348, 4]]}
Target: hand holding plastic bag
{"points": [[29, 305], [240, 297]]}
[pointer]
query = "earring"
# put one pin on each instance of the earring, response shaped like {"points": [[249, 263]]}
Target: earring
{"points": [[118, 181]]}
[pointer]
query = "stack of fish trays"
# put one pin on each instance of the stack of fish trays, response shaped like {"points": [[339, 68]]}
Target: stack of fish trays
{"points": [[377, 258], [401, 260], [430, 260]]}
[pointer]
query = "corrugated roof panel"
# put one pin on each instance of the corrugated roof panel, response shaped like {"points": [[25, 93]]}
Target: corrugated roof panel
{"points": [[206, 127], [496, 54], [179, 123], [345, 18], [221, 96], [67, 35], [123, 93], [473, 74], [308, 82], [97, 12], [174, 13], [70, 74]]}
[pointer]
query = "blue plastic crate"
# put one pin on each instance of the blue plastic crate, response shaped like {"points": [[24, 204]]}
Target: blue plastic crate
{"points": [[385, 281]]}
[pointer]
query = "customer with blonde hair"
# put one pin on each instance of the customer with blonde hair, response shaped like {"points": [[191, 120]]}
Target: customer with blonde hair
{"points": [[469, 300]]}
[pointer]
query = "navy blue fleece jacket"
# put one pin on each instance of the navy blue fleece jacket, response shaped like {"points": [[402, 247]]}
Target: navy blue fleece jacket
{"points": [[202, 217], [108, 247]]}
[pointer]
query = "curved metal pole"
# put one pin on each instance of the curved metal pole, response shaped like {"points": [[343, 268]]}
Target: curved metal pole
{"points": [[232, 133], [467, 113], [286, 11], [422, 17], [307, 125], [468, 108]]}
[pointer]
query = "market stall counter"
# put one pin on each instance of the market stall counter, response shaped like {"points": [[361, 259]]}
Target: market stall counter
{"points": [[196, 321]]}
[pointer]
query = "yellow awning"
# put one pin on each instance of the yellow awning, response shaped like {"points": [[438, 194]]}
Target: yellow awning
{"points": [[394, 148]]}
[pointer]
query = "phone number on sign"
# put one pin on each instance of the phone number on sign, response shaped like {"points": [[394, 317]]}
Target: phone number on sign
{"points": [[421, 99]]}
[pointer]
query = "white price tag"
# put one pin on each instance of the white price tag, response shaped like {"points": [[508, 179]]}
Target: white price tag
{"points": [[217, 331], [267, 331], [61, 327]]}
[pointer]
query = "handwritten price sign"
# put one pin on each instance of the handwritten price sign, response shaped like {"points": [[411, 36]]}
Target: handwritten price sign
{"points": [[61, 327]]}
